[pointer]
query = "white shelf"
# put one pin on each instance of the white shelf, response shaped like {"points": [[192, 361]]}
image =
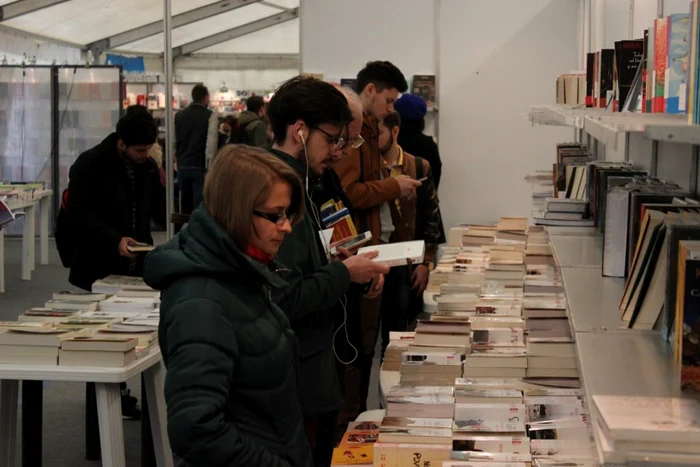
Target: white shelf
{"points": [[578, 251], [593, 299], [679, 133], [605, 125], [554, 230]]}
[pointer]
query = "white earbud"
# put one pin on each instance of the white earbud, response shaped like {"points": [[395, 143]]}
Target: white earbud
{"points": [[301, 135]]}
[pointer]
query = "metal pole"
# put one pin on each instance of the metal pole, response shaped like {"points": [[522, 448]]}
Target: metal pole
{"points": [[169, 147], [660, 8]]}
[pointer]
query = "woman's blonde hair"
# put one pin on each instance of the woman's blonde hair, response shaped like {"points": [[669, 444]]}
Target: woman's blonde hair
{"points": [[240, 181]]}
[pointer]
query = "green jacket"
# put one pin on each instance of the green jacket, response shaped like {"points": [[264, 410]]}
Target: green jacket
{"points": [[312, 302], [230, 354], [255, 129]]}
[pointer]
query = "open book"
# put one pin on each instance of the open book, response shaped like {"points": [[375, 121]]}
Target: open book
{"points": [[6, 215]]}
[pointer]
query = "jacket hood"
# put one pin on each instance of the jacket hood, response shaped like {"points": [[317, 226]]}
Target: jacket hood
{"points": [[246, 117], [204, 248]]}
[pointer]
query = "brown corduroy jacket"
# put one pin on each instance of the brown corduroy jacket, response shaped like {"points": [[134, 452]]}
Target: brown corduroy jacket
{"points": [[359, 174]]}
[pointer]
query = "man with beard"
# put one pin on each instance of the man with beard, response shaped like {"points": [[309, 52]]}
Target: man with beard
{"points": [[309, 119], [405, 284]]}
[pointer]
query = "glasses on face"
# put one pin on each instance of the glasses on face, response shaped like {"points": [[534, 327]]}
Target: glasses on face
{"points": [[355, 143], [338, 141], [275, 218]]}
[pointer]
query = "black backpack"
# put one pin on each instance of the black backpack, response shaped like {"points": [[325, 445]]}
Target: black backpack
{"points": [[66, 236]]}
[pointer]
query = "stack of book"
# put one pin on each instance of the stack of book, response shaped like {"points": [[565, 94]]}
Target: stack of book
{"points": [[564, 212], [664, 430], [399, 343], [97, 351], [542, 182], [32, 343], [435, 356], [496, 352], [421, 401], [357, 446], [124, 286]]}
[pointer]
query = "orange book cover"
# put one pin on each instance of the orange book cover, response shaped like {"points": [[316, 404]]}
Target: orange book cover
{"points": [[342, 229], [359, 437], [660, 64], [362, 454]]}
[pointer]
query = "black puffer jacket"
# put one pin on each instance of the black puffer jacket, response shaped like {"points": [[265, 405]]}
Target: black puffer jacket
{"points": [[231, 384]]}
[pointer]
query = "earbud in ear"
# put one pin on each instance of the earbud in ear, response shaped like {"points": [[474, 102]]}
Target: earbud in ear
{"points": [[301, 135]]}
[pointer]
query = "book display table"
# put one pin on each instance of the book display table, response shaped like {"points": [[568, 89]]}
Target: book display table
{"points": [[41, 200], [108, 405]]}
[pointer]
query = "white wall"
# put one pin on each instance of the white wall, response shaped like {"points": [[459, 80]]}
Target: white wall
{"points": [[493, 67], [339, 37], [400, 31], [14, 44]]}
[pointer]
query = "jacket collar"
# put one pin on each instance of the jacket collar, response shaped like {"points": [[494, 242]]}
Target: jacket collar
{"points": [[370, 125], [298, 165]]}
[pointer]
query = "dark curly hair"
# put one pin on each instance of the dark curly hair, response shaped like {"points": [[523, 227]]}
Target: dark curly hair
{"points": [[384, 75], [307, 99]]}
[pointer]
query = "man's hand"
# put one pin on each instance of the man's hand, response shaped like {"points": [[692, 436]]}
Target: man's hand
{"points": [[419, 279], [123, 244], [408, 186], [362, 269], [377, 286]]}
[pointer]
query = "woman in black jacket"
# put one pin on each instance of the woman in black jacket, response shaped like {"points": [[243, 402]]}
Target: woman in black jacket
{"points": [[230, 354]]}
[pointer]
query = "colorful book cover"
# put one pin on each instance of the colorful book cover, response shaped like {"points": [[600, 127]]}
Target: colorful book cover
{"points": [[678, 27], [660, 63], [650, 71]]}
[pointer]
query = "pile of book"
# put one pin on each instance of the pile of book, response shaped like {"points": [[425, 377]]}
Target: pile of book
{"points": [[18, 192], [421, 401], [628, 428], [542, 183], [571, 89], [563, 212], [86, 329]]}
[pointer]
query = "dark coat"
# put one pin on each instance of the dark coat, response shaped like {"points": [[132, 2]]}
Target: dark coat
{"points": [[413, 141], [312, 302], [230, 354], [100, 205]]}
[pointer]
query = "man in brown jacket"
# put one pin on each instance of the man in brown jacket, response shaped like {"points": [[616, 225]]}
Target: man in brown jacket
{"points": [[378, 85], [403, 285]]}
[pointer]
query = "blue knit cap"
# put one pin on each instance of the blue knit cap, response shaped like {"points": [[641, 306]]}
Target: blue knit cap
{"points": [[411, 107]]}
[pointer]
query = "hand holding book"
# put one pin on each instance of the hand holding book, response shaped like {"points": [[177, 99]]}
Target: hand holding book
{"points": [[124, 247]]}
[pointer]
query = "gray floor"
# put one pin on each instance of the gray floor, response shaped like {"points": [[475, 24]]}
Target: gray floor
{"points": [[64, 406]]}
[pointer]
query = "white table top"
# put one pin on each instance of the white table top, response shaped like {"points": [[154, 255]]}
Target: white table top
{"points": [[81, 373]]}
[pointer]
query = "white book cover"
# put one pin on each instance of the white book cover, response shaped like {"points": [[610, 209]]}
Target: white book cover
{"points": [[432, 358], [397, 254], [653, 419], [545, 391], [486, 383], [517, 443], [488, 393], [415, 422]]}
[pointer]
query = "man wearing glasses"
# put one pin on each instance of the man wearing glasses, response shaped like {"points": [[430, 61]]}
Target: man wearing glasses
{"points": [[309, 119]]}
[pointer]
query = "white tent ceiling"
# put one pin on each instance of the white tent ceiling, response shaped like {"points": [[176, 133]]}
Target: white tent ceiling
{"points": [[85, 21]]}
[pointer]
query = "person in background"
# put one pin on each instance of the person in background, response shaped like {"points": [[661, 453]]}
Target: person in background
{"points": [[412, 110], [228, 127], [230, 354], [197, 137], [378, 85], [309, 118], [114, 191], [252, 126], [405, 284]]}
